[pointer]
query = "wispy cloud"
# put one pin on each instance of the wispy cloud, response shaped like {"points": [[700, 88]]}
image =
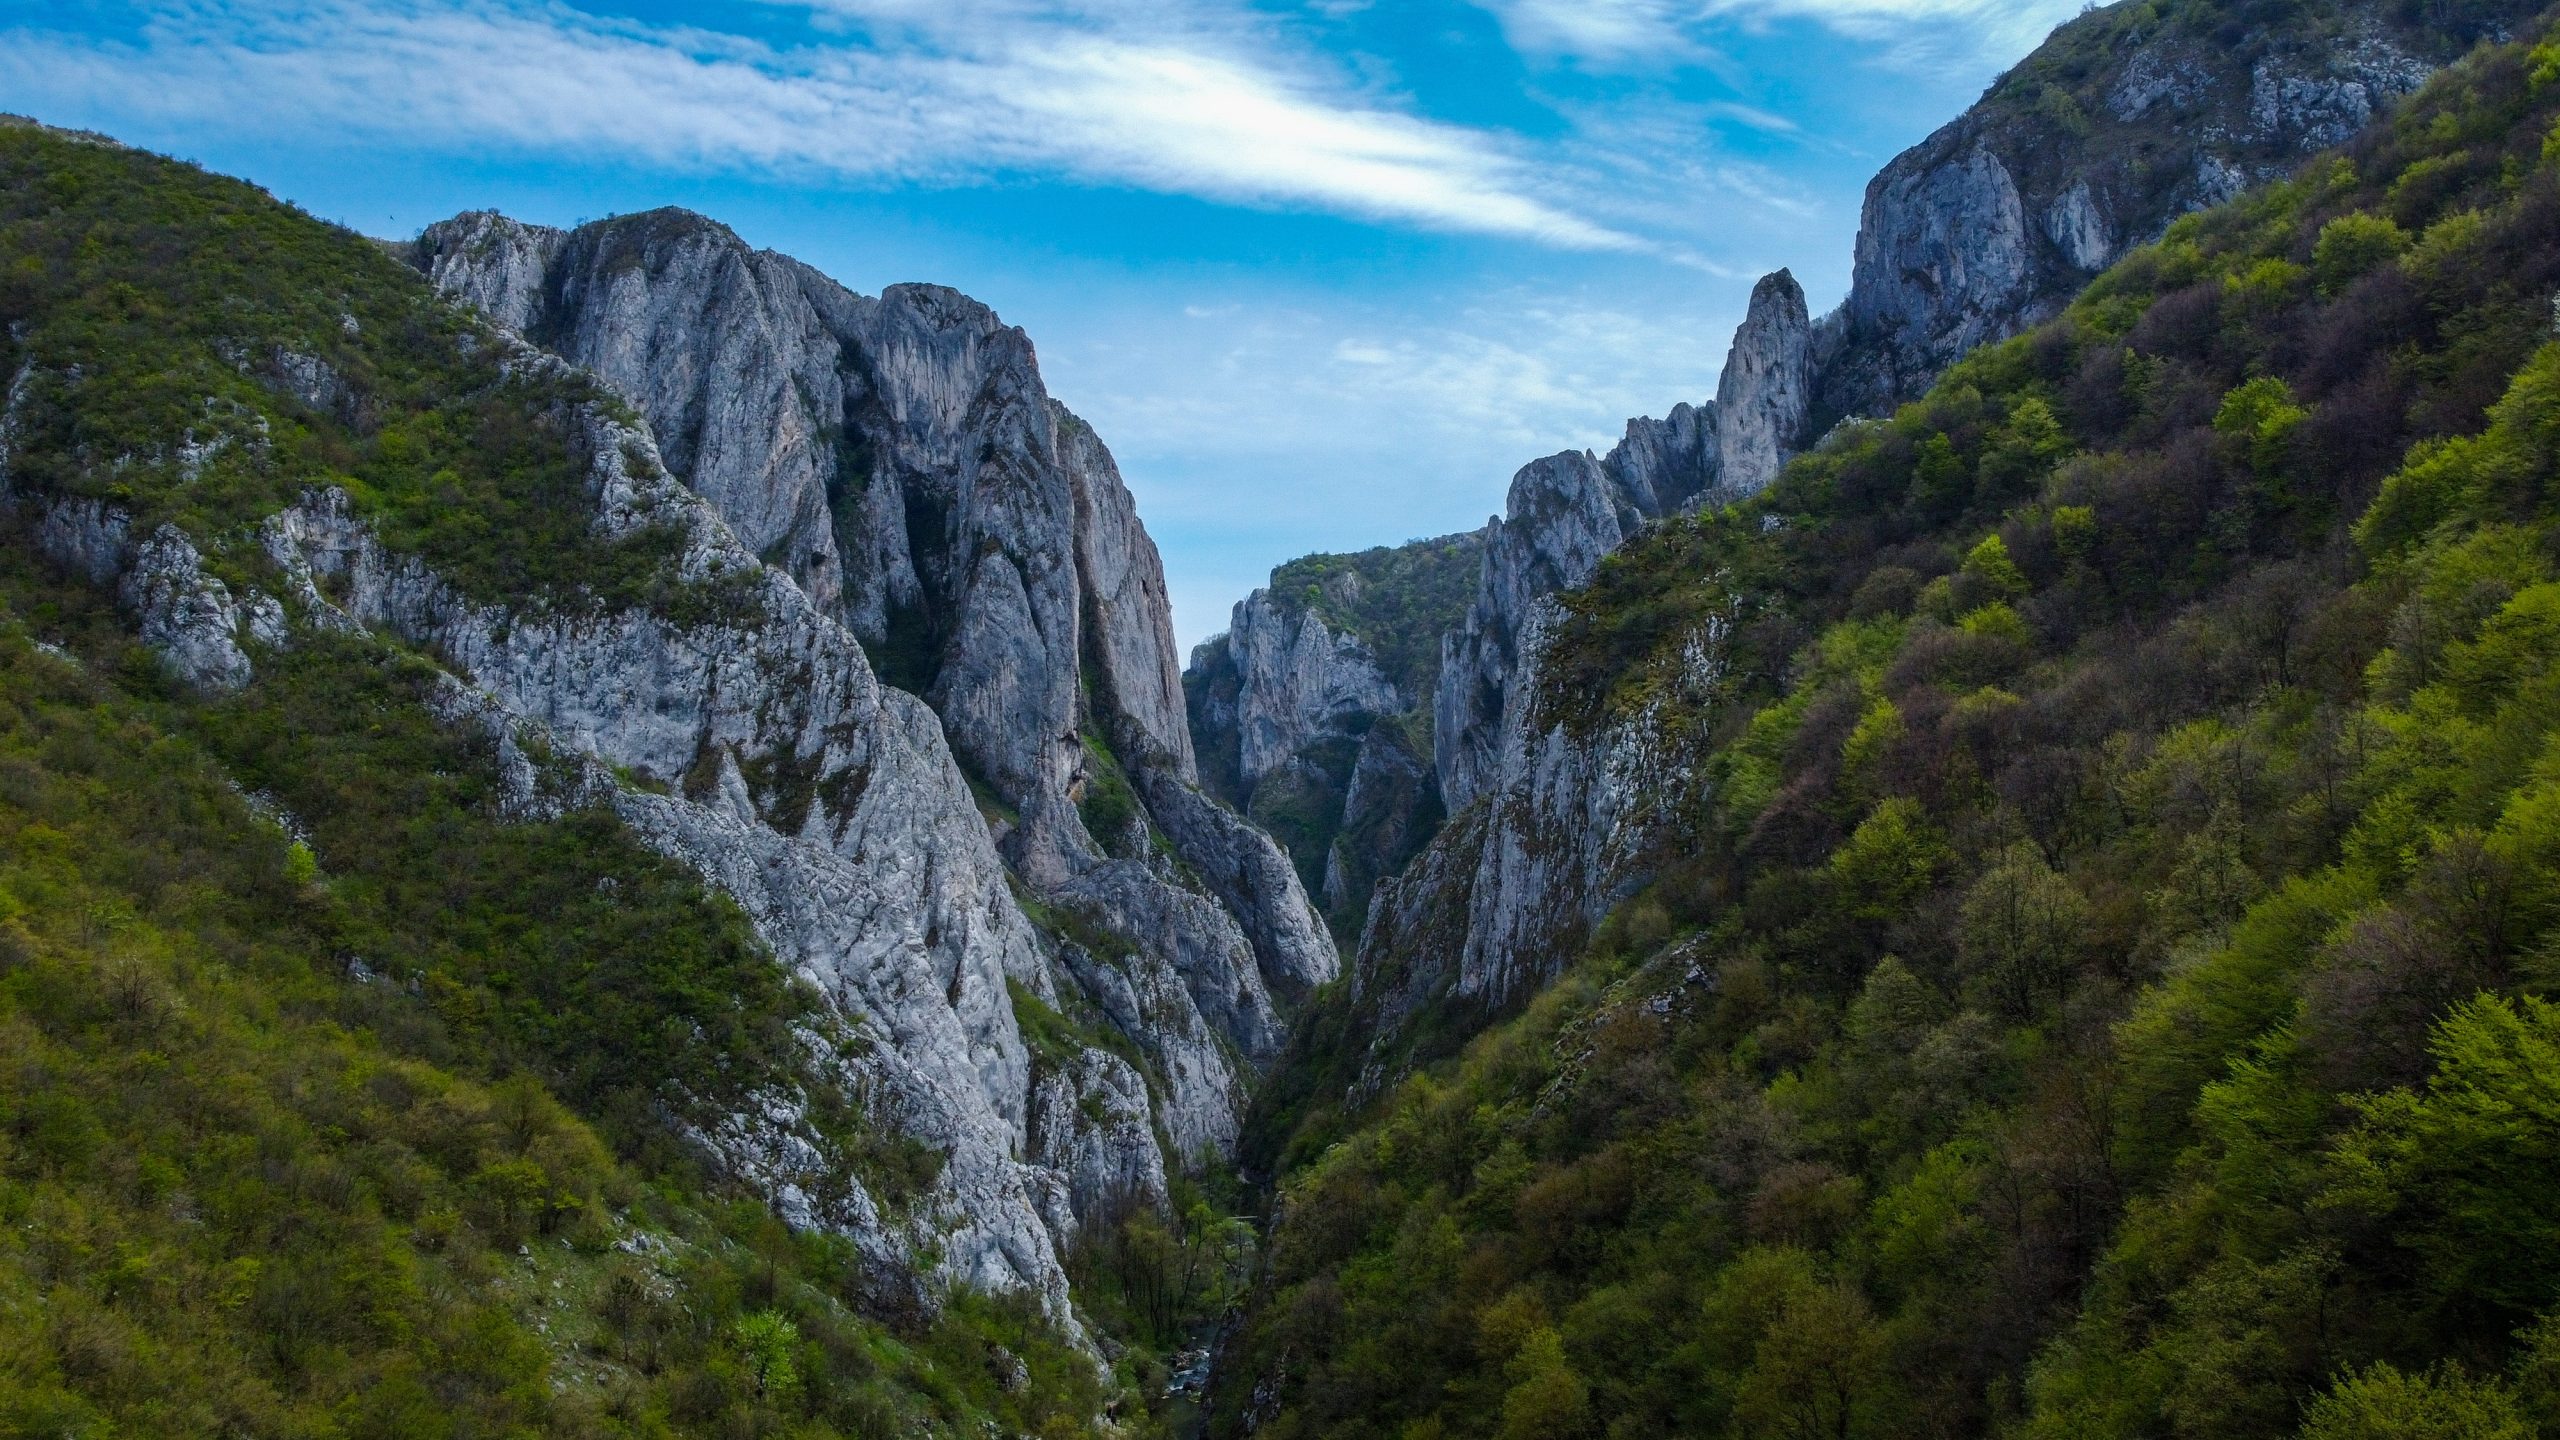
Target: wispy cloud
{"points": [[1654, 32], [1132, 95]]}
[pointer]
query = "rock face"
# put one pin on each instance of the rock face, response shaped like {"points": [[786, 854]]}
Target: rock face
{"points": [[1298, 684], [1289, 710], [879, 884], [875, 491], [1767, 387], [899, 459], [1567, 825], [2118, 125], [1565, 512], [1320, 736]]}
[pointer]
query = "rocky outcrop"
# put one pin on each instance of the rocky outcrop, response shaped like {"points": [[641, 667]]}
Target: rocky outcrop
{"points": [[1565, 513], [880, 884], [1299, 684], [1767, 387], [2121, 123], [1942, 266], [900, 461], [1567, 824], [1391, 808]]}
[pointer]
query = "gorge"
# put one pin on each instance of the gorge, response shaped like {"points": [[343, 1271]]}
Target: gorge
{"points": [[605, 835]]}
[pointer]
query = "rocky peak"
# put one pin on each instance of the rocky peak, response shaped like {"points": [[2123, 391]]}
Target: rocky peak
{"points": [[897, 456], [1767, 387], [1563, 514], [494, 264]]}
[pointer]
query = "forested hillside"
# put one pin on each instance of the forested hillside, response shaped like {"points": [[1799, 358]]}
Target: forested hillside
{"points": [[2103, 990]]}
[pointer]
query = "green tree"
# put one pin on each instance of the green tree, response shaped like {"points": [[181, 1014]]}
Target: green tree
{"points": [[2463, 1167], [2023, 930], [1547, 1399], [768, 1345], [1893, 1009], [2381, 1403], [1819, 1374], [2075, 532], [2260, 416], [1878, 730], [1893, 856], [2024, 449], [2352, 246], [1941, 482], [1989, 564]]}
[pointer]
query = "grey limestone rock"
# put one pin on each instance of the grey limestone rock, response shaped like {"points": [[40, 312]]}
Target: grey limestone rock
{"points": [[1299, 683], [900, 460], [1327, 675], [1390, 808], [879, 881], [1565, 513], [2123, 122], [1942, 260], [2079, 230], [1090, 1123], [1767, 388]]}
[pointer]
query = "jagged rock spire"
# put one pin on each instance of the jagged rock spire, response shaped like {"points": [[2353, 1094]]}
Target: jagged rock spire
{"points": [[1767, 388]]}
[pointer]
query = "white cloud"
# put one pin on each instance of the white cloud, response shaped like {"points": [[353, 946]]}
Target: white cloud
{"points": [[1135, 94], [1650, 32], [1595, 29]]}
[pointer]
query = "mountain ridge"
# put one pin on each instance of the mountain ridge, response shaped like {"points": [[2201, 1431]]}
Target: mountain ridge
{"points": [[2023, 990], [1948, 257]]}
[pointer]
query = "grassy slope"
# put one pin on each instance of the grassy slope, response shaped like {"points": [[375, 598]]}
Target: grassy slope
{"points": [[247, 1189], [2098, 994]]}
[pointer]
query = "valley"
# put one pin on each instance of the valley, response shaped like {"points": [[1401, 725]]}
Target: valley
{"points": [[602, 835]]}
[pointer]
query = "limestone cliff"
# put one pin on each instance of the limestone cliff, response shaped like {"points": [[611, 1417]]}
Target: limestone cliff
{"points": [[875, 878], [986, 880], [1312, 713], [899, 458], [1564, 513], [2123, 121]]}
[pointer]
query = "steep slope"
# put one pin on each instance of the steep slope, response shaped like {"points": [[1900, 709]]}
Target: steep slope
{"points": [[2092, 876], [303, 930], [292, 466], [2128, 118], [1947, 260]]}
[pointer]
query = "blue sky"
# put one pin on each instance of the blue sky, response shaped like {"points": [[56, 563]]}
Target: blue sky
{"points": [[1322, 272]]}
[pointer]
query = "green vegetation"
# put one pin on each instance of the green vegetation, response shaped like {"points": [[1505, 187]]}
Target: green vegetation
{"points": [[188, 349], [339, 1095], [2106, 987], [280, 1151], [1107, 804]]}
